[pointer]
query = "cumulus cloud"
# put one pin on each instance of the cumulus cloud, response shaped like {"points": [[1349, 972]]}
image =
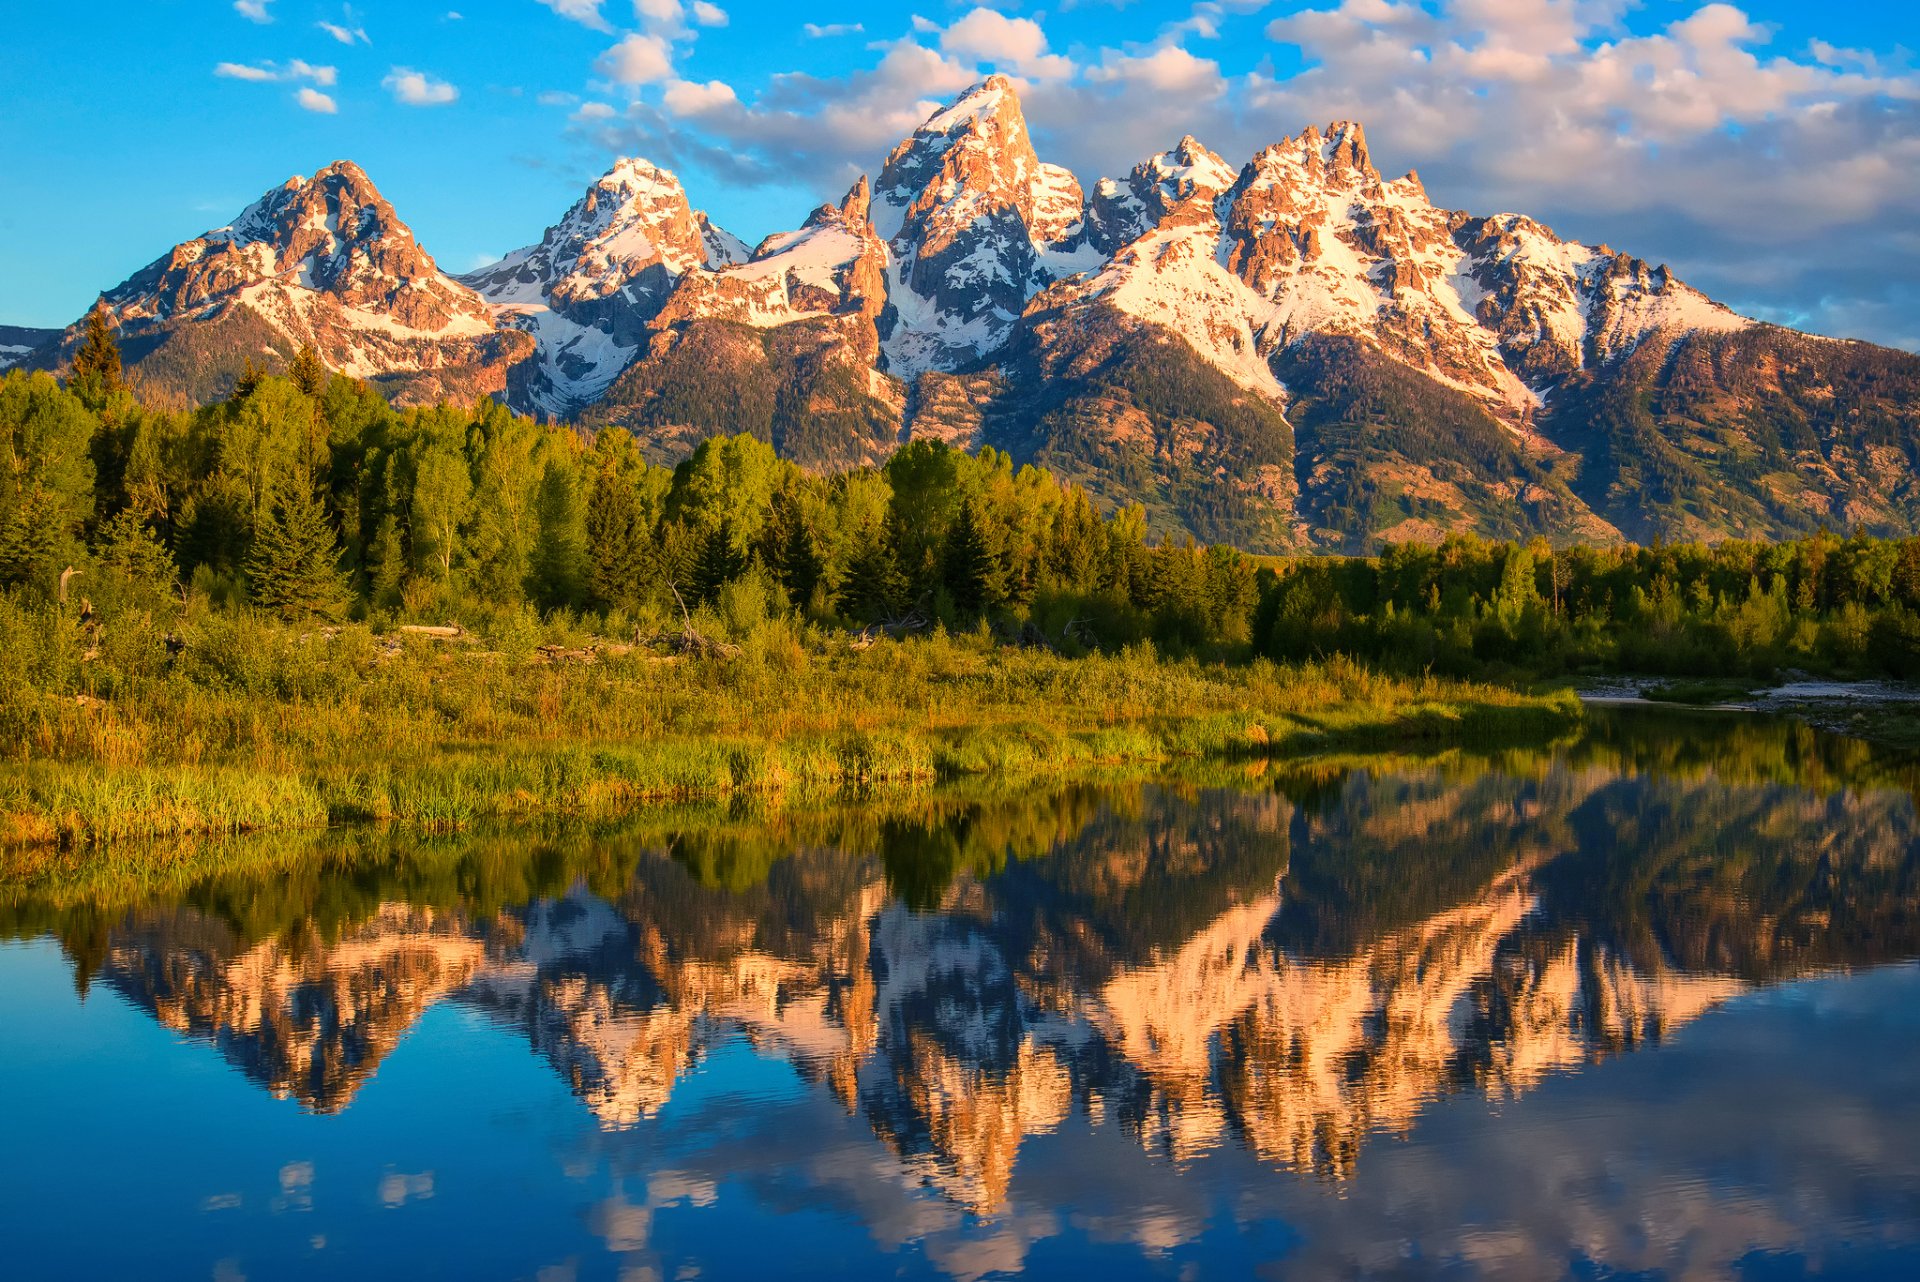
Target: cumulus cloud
{"points": [[817, 31], [417, 88], [1169, 69], [312, 99], [709, 15], [253, 10], [686, 98], [800, 129], [1012, 44], [640, 59], [584, 12]]}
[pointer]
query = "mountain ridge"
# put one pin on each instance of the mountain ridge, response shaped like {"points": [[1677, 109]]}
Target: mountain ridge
{"points": [[1315, 351]]}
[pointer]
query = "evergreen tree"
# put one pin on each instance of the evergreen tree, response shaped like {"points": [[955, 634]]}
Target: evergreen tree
{"points": [[248, 380], [789, 547], [96, 363], [874, 587], [620, 546], [293, 567], [720, 562], [971, 567], [308, 373]]}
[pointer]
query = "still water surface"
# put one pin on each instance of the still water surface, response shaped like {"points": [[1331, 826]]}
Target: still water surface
{"points": [[1644, 1005]]}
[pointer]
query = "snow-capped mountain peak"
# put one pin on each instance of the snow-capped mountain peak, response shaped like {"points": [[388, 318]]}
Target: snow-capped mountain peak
{"points": [[588, 288], [321, 261], [975, 225]]}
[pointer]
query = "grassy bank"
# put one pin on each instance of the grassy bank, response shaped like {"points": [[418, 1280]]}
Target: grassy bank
{"points": [[251, 726]]}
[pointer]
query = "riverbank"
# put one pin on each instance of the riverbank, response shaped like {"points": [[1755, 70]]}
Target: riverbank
{"points": [[1881, 712], [273, 728]]}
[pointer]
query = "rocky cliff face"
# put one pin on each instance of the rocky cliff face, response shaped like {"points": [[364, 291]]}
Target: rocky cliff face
{"points": [[323, 261], [975, 225]]}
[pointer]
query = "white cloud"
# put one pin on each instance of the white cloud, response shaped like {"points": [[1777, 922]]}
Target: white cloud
{"points": [[687, 98], [241, 71], [417, 88], [307, 71], [925, 26], [556, 98], [584, 12], [344, 34], [253, 10], [270, 72], [637, 60], [815, 31], [590, 112], [666, 17], [1016, 44], [709, 15], [1169, 69], [313, 100]]}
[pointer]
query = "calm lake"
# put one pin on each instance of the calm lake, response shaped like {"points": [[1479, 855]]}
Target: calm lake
{"points": [[1641, 1005]]}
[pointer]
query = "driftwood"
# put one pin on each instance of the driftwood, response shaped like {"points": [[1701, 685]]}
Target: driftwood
{"points": [[897, 627], [691, 640], [447, 632]]}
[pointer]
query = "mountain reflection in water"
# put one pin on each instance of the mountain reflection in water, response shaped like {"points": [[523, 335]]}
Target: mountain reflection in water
{"points": [[1283, 966]]}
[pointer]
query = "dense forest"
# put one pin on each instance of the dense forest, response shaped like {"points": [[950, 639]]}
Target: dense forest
{"points": [[307, 496]]}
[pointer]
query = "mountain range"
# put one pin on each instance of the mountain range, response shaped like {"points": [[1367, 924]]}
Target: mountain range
{"points": [[1297, 354]]}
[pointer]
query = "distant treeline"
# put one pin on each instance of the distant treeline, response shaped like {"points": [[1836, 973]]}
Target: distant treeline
{"points": [[309, 496], [1825, 604]]}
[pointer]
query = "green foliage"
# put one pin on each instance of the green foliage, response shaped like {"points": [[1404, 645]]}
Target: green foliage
{"points": [[1823, 604], [96, 362], [46, 478], [293, 567]]}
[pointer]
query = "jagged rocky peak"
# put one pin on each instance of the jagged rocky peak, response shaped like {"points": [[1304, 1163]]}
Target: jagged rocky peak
{"points": [[321, 261], [587, 290], [331, 234], [1186, 178], [833, 265], [976, 224], [631, 232]]}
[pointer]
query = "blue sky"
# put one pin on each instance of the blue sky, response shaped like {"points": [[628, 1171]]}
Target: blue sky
{"points": [[1770, 152]]}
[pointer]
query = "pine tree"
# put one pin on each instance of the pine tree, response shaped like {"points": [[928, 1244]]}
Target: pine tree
{"points": [[247, 381], [873, 586], [96, 363], [293, 566], [790, 548], [620, 551], [308, 372], [719, 564], [971, 567]]}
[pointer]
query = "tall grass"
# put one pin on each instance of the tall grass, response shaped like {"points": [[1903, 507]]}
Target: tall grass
{"points": [[255, 726]]}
